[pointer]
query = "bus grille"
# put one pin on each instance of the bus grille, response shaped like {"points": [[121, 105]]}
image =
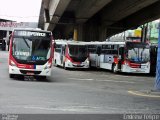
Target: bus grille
{"points": [[78, 59], [28, 71]]}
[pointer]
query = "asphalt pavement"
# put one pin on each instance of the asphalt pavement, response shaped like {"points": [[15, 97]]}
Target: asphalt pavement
{"points": [[89, 91]]}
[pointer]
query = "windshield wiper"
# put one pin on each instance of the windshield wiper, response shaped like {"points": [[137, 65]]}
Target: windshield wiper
{"points": [[26, 42], [136, 54]]}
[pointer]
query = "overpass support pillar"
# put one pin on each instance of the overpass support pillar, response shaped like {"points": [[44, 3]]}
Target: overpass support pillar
{"points": [[102, 33], [75, 34], [81, 32], [157, 80], [91, 32]]}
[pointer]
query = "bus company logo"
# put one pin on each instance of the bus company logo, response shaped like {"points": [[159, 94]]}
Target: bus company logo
{"points": [[33, 58]]}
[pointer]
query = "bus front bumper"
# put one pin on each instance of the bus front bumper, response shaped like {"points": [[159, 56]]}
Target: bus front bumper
{"points": [[36, 72]]}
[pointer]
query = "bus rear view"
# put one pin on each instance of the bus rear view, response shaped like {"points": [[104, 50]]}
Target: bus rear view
{"points": [[30, 53]]}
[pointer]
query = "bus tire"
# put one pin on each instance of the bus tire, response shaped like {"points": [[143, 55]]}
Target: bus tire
{"points": [[11, 75], [43, 77], [90, 65], [64, 66], [114, 68], [55, 63]]}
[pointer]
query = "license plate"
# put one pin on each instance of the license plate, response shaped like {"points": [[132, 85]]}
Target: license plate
{"points": [[143, 66], [137, 70], [29, 73]]}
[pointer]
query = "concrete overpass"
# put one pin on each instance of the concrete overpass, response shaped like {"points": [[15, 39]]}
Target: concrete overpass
{"points": [[95, 20]]}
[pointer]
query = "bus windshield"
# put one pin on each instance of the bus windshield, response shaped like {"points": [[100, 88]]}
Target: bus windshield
{"points": [[31, 49], [78, 52], [138, 52]]}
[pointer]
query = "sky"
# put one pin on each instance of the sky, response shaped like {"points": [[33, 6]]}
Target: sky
{"points": [[20, 10]]}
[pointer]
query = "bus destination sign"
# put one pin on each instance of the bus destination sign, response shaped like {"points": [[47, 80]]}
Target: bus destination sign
{"points": [[30, 33]]}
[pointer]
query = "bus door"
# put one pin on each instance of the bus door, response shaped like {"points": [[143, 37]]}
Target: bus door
{"points": [[62, 54], [92, 49], [97, 57], [120, 57]]}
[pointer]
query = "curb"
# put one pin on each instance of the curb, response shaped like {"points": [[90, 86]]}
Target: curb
{"points": [[146, 93]]}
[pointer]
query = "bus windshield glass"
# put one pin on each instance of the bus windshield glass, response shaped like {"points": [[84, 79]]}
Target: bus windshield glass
{"points": [[78, 52], [138, 52], [28, 49]]}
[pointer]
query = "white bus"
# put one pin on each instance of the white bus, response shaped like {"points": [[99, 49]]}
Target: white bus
{"points": [[30, 53], [129, 57], [71, 54]]}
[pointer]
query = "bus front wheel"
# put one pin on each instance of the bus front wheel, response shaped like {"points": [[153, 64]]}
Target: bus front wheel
{"points": [[11, 75], [64, 66], [55, 63]]}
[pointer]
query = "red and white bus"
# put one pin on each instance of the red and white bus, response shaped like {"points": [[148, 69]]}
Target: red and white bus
{"points": [[30, 53], [129, 56], [71, 54]]}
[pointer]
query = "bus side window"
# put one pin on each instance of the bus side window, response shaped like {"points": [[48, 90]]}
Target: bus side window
{"points": [[98, 50]]}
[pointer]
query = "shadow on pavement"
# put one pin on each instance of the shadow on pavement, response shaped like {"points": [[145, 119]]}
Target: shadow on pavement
{"points": [[31, 78]]}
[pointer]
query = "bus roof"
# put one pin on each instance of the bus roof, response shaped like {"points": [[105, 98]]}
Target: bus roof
{"points": [[70, 42], [104, 42]]}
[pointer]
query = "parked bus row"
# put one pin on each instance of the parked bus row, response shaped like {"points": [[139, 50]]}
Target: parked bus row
{"points": [[129, 56], [31, 52]]}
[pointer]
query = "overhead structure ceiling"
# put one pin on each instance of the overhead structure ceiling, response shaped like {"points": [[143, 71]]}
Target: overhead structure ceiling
{"points": [[113, 14]]}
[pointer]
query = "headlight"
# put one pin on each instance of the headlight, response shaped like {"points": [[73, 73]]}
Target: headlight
{"points": [[67, 60], [48, 66], [87, 60], [12, 63]]}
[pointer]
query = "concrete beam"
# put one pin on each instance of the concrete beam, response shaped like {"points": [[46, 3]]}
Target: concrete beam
{"points": [[139, 18], [44, 5], [119, 9], [56, 10], [88, 8]]}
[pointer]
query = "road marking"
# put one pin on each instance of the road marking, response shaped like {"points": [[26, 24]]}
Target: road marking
{"points": [[143, 94], [67, 108], [80, 79], [119, 81]]}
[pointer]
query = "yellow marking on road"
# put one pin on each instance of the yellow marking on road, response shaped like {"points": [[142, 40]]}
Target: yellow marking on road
{"points": [[143, 94]]}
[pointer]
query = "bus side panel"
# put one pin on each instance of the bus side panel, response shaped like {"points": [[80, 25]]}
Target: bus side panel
{"points": [[93, 58], [145, 68], [106, 61]]}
